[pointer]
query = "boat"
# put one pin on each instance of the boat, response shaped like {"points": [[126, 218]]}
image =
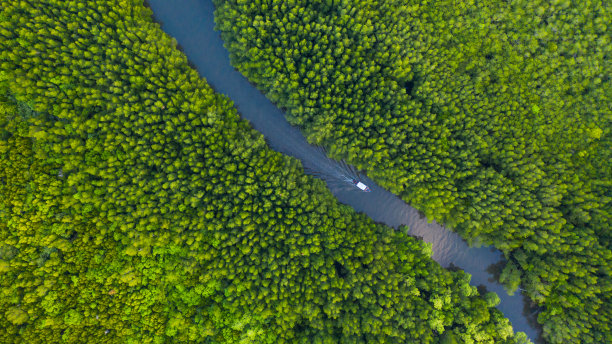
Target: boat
{"points": [[361, 186]]}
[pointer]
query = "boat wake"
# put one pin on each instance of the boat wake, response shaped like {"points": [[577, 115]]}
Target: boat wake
{"points": [[337, 174]]}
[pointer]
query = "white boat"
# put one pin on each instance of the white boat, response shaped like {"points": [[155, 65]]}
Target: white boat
{"points": [[361, 186]]}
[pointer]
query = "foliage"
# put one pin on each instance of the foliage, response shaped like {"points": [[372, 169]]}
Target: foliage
{"points": [[136, 206], [493, 117]]}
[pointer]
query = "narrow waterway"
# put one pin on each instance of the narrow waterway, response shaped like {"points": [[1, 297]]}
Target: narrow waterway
{"points": [[191, 23]]}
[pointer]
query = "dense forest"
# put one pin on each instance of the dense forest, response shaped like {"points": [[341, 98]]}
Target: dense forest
{"points": [[137, 207], [492, 117]]}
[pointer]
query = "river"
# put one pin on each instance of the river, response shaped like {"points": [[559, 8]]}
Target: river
{"points": [[191, 23]]}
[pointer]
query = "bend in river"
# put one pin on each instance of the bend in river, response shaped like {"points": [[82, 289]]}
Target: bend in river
{"points": [[191, 23]]}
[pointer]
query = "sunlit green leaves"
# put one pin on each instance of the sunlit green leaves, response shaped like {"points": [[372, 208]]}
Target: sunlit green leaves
{"points": [[490, 117], [137, 207]]}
